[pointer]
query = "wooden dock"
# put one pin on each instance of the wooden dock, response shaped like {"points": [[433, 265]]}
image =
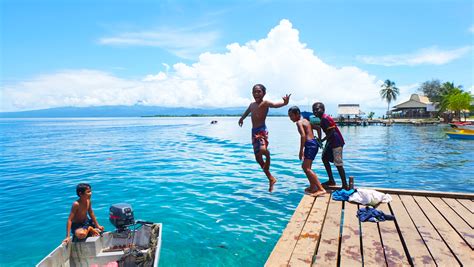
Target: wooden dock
{"points": [[430, 229]]}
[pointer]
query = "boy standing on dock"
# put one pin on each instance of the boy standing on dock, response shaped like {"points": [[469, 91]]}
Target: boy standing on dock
{"points": [[259, 110], [308, 149], [333, 149], [78, 223]]}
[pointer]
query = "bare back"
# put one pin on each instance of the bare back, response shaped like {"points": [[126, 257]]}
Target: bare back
{"points": [[259, 113], [307, 128]]}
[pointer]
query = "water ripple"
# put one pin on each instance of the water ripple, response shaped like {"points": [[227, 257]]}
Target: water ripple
{"points": [[200, 180]]}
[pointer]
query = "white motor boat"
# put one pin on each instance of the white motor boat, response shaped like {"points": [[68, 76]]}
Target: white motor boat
{"points": [[134, 243]]}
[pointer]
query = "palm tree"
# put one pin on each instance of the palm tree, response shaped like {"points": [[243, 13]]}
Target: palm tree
{"points": [[448, 89], [389, 92], [458, 102]]}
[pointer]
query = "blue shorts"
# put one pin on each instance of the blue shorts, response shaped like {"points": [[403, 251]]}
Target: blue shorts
{"points": [[311, 148]]}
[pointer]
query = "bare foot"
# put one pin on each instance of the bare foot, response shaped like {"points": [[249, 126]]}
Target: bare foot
{"points": [[271, 182], [94, 231], [318, 193], [309, 190]]}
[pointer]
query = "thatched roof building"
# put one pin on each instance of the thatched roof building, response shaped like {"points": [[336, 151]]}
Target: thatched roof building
{"points": [[416, 106]]}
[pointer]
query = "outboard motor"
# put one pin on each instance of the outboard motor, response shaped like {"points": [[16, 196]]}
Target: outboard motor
{"points": [[121, 216]]}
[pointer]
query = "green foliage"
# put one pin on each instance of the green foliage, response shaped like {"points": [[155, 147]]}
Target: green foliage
{"points": [[371, 115], [432, 89], [447, 96], [447, 89], [389, 92], [459, 101]]}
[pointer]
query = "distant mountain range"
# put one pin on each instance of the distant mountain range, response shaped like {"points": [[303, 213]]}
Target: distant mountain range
{"points": [[129, 111]]}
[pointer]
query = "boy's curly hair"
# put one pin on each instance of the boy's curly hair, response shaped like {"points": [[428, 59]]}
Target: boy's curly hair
{"points": [[81, 188], [261, 87], [294, 110]]}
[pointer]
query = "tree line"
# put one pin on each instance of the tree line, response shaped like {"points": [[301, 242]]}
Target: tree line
{"points": [[448, 97]]}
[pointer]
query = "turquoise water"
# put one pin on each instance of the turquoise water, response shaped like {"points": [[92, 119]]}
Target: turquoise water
{"points": [[199, 180]]}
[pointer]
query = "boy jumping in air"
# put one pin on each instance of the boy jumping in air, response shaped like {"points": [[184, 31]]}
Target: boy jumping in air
{"points": [[259, 110]]}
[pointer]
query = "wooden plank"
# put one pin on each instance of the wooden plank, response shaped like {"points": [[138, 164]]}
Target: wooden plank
{"points": [[416, 247], [467, 203], [309, 237], [422, 240], [328, 248], [459, 195], [351, 253], [460, 249], [391, 241], [465, 214], [464, 230], [282, 251], [372, 245], [300, 259], [439, 251]]}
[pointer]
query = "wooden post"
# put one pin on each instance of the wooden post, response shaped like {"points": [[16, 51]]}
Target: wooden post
{"points": [[351, 182]]}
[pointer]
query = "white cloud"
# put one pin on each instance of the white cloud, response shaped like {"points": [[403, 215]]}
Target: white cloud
{"points": [[67, 88], [159, 77], [471, 29], [184, 43], [431, 55], [167, 67], [279, 61]]}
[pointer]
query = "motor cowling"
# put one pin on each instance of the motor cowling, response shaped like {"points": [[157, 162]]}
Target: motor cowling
{"points": [[121, 216]]}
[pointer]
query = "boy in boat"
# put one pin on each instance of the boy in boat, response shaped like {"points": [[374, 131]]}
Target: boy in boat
{"points": [[78, 223], [309, 146], [259, 110], [333, 149]]}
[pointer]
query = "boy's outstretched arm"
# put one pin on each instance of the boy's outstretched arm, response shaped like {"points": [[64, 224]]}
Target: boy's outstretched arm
{"points": [[74, 208], [246, 113], [94, 219], [286, 99]]}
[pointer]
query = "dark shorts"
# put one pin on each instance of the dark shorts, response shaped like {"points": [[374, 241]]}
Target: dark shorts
{"points": [[259, 138], [83, 225], [311, 148]]}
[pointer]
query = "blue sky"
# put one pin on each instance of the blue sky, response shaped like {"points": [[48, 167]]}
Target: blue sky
{"points": [[210, 53]]}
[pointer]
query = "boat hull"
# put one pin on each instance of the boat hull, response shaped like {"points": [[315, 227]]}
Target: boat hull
{"points": [[108, 248], [461, 135], [465, 130]]}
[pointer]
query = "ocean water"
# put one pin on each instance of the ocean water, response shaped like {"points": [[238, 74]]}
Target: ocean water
{"points": [[199, 180]]}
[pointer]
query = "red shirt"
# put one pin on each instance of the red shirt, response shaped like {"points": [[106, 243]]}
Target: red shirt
{"points": [[327, 123]]}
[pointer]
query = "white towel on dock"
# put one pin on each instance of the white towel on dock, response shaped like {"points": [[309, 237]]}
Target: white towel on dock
{"points": [[369, 197]]}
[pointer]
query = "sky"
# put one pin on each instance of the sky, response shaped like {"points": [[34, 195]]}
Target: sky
{"points": [[208, 54]]}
